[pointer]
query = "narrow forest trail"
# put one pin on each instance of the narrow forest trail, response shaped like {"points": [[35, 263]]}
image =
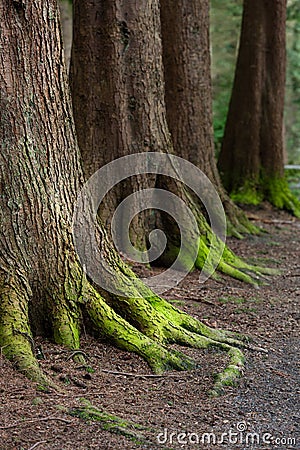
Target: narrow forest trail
{"points": [[265, 403]]}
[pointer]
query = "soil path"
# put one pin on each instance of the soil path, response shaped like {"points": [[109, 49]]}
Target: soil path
{"points": [[262, 412]]}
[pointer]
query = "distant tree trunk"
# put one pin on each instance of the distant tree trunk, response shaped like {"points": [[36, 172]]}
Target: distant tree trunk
{"points": [[187, 71], [43, 288], [251, 161]]}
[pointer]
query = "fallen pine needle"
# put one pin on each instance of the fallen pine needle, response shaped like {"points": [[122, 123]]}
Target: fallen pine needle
{"points": [[37, 444]]}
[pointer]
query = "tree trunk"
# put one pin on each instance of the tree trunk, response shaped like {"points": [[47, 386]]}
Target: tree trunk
{"points": [[118, 92], [43, 288], [251, 161], [187, 70], [127, 115]]}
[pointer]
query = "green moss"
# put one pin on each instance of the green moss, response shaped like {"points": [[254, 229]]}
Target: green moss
{"points": [[37, 401], [214, 255], [279, 194], [274, 189], [184, 256], [230, 375], [16, 339], [108, 422], [248, 194]]}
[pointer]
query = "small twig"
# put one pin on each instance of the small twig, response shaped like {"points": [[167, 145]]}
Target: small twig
{"points": [[281, 374], [37, 444], [140, 375], [255, 348], [259, 219], [42, 419]]}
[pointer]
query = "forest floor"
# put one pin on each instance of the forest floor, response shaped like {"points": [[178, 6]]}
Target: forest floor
{"points": [[175, 410]]}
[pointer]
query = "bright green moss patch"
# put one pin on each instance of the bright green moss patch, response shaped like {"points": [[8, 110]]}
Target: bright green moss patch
{"points": [[248, 194], [273, 189]]}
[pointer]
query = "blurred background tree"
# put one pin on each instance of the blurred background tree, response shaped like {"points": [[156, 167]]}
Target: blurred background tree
{"points": [[225, 24], [292, 101], [225, 32]]}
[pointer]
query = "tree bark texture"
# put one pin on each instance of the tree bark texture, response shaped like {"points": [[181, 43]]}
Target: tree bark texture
{"points": [[42, 286], [108, 72], [188, 94], [118, 91]]}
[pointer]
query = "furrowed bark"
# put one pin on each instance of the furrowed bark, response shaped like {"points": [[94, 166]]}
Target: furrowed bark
{"points": [[43, 288]]}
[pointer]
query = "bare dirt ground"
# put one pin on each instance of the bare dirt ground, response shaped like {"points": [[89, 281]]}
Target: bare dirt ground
{"points": [[175, 410]]}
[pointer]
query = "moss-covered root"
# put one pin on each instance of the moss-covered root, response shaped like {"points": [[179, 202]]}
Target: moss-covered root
{"points": [[65, 323], [258, 271], [109, 422], [165, 323], [238, 225], [214, 255], [230, 373], [127, 337], [182, 320], [15, 335]]}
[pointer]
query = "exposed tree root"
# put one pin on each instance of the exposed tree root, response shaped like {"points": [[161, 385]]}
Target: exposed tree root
{"points": [[16, 339], [144, 324], [160, 324], [238, 225], [214, 256]]}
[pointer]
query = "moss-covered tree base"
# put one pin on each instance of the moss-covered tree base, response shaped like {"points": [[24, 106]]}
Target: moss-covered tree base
{"points": [[151, 324], [272, 189], [214, 256], [238, 225]]}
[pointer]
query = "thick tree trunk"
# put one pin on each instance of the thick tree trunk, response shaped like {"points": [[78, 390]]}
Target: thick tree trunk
{"points": [[251, 161], [37, 199], [118, 92], [42, 286], [187, 70]]}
